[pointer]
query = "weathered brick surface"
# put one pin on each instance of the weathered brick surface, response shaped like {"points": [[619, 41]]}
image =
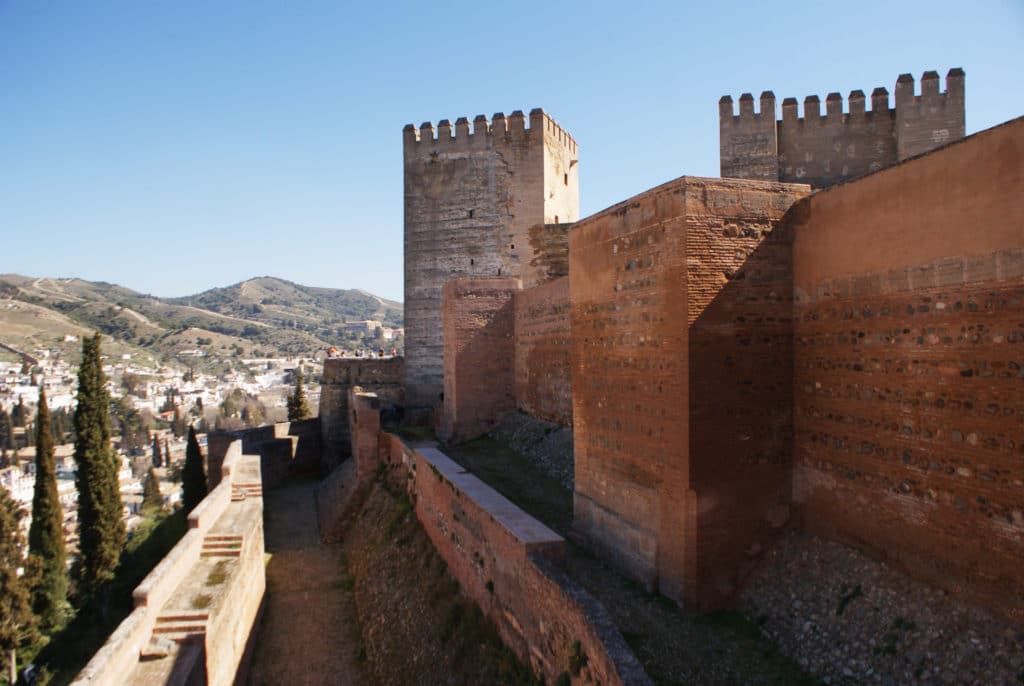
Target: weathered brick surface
{"points": [[909, 346], [825, 148], [479, 383], [381, 376], [543, 373], [479, 205], [504, 560], [681, 354]]}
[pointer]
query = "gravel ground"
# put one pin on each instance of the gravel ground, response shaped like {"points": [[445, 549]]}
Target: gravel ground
{"points": [[853, 620]]}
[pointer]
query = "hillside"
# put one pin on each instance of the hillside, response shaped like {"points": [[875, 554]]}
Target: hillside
{"points": [[261, 316]]}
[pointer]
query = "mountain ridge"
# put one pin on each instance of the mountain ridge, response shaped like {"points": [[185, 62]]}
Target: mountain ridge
{"points": [[263, 314]]}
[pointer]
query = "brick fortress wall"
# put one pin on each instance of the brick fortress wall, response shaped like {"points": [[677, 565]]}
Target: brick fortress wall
{"points": [[823, 150], [484, 203], [909, 346], [681, 355], [479, 382], [543, 371]]}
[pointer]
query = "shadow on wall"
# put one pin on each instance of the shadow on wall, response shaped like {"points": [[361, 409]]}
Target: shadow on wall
{"points": [[741, 399]]}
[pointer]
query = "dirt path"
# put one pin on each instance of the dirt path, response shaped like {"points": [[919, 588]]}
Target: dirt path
{"points": [[310, 633]]}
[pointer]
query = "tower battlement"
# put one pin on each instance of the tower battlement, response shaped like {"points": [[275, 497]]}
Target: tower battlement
{"points": [[847, 140], [515, 127]]}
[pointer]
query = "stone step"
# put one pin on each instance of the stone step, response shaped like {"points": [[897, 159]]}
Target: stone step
{"points": [[183, 617], [164, 629], [223, 537], [220, 553]]}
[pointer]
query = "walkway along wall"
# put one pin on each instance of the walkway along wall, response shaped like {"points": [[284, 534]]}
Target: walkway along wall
{"points": [[502, 558], [909, 372]]}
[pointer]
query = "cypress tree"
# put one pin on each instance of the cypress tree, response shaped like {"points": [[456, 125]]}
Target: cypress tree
{"points": [[158, 460], [46, 533], [298, 407], [152, 498], [101, 530], [193, 475], [17, 621], [167, 453]]}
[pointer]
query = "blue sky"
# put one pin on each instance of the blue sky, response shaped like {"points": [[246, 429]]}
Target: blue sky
{"points": [[177, 146]]}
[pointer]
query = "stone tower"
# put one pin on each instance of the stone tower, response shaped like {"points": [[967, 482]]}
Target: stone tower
{"points": [[493, 201], [825, 150]]}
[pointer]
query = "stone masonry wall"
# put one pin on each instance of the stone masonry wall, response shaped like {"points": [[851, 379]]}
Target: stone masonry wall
{"points": [[381, 376], [476, 205], [479, 382], [825, 149], [543, 370], [909, 346], [680, 354]]}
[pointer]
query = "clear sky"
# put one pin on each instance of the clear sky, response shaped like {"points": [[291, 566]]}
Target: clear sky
{"points": [[177, 146]]}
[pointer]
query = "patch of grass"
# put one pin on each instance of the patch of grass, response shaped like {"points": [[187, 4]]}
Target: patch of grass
{"points": [[218, 574], [416, 433], [201, 601], [577, 658], [563, 679], [452, 619], [734, 622], [847, 597], [401, 512]]}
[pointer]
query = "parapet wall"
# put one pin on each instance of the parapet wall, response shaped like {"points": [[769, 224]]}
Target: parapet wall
{"points": [[543, 370], [909, 345], [165, 639], [503, 560], [383, 376], [825, 149]]}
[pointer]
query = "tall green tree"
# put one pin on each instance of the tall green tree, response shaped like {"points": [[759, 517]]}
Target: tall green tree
{"points": [[19, 415], [6, 430], [298, 406], [46, 533], [193, 476], [152, 498], [17, 577], [101, 530], [158, 459]]}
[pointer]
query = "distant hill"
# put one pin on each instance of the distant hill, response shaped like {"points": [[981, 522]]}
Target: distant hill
{"points": [[261, 315]]}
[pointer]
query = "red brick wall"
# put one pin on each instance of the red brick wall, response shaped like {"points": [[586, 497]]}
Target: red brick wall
{"points": [[909, 345], [504, 560], [681, 367], [479, 383], [739, 288], [543, 375]]}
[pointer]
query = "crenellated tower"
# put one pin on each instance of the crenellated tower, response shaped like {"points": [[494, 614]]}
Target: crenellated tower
{"points": [[825, 149], [480, 200]]}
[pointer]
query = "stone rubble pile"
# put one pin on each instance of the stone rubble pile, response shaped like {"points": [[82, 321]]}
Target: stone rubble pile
{"points": [[853, 620]]}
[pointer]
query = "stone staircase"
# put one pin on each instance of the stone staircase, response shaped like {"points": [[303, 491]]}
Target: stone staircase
{"points": [[222, 545], [181, 627], [241, 491]]}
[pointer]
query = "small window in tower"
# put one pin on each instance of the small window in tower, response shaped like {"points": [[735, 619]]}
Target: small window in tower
{"points": [[471, 259], [565, 179], [511, 246], [556, 218], [471, 214]]}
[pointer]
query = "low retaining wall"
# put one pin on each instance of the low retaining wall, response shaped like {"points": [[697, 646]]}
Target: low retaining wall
{"points": [[504, 559]]}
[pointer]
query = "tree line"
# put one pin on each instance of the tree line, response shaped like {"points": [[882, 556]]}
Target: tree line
{"points": [[39, 594]]}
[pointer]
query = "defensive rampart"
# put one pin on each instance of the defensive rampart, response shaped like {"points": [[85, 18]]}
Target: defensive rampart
{"points": [[383, 376], [909, 349], [825, 149], [503, 559]]}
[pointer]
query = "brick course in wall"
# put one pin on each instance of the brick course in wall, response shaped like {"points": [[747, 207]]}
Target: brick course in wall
{"points": [[543, 372]]}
